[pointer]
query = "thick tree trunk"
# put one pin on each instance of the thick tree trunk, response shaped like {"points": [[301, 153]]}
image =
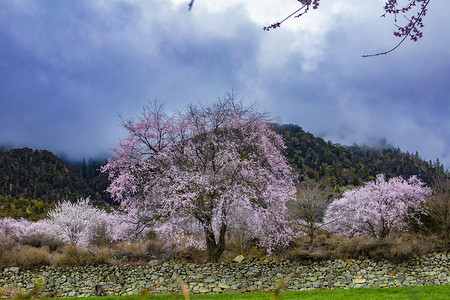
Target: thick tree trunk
{"points": [[214, 249]]}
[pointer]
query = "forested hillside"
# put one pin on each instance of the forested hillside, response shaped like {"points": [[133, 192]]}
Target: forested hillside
{"points": [[96, 180], [32, 180], [340, 166], [39, 174]]}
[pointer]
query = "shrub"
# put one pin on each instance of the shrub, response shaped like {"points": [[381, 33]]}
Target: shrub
{"points": [[26, 257], [299, 254], [407, 245], [439, 212], [395, 247], [6, 243], [362, 246], [191, 254], [99, 234], [159, 249], [129, 251], [71, 255]]}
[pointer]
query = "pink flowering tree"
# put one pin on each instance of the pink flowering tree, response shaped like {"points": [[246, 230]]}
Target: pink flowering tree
{"points": [[377, 207], [19, 229], [18, 232], [195, 173]]}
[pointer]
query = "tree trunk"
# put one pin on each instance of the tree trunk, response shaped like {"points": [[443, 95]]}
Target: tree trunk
{"points": [[214, 249], [311, 239]]}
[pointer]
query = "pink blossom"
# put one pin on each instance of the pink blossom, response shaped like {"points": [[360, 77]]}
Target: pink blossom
{"points": [[195, 173], [378, 207]]}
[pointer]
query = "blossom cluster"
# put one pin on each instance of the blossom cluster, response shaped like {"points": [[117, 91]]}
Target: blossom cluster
{"points": [[197, 173], [78, 223], [378, 207]]}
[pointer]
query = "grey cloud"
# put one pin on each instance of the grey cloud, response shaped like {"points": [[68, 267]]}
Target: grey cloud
{"points": [[68, 67]]}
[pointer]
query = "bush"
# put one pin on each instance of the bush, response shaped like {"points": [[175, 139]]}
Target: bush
{"points": [[405, 246], [159, 249], [128, 252], [6, 243], [100, 233], [299, 254], [26, 257], [438, 220], [191, 254], [71, 255], [395, 247], [362, 246]]}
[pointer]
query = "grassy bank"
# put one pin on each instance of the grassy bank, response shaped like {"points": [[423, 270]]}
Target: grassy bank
{"points": [[423, 292]]}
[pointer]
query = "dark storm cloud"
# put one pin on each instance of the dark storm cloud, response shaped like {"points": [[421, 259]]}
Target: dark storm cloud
{"points": [[403, 96], [68, 67]]}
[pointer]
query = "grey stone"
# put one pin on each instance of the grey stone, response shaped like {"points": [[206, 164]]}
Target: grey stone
{"points": [[223, 285], [204, 290], [239, 258]]}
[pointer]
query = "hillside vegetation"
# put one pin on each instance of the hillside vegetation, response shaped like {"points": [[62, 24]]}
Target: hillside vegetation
{"points": [[31, 180], [340, 166]]}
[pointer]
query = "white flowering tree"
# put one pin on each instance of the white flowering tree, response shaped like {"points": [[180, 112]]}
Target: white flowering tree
{"points": [[75, 222]]}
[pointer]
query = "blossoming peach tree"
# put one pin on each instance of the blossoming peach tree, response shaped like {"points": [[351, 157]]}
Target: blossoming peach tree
{"points": [[195, 175], [377, 207]]}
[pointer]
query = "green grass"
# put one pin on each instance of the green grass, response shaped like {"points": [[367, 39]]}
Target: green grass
{"points": [[424, 292]]}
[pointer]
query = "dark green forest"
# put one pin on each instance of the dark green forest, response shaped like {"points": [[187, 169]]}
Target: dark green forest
{"points": [[31, 181], [39, 174], [346, 166]]}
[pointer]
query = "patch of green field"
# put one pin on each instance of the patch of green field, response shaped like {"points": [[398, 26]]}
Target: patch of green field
{"points": [[416, 293]]}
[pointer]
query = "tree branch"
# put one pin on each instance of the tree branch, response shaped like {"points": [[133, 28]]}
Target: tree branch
{"points": [[191, 4], [408, 29]]}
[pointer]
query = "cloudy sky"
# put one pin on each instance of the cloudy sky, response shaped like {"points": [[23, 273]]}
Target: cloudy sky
{"points": [[67, 68]]}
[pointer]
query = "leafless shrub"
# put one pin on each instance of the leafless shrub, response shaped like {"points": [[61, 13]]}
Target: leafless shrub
{"points": [[395, 247], [26, 257], [6, 243], [308, 209], [71, 255], [439, 211], [191, 255]]}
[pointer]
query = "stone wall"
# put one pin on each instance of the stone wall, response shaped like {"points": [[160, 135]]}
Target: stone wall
{"points": [[248, 275]]}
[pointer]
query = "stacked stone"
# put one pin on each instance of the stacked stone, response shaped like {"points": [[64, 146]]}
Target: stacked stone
{"points": [[242, 275]]}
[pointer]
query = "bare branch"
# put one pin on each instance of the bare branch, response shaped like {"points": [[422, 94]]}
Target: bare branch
{"points": [[191, 4], [386, 52], [411, 29]]}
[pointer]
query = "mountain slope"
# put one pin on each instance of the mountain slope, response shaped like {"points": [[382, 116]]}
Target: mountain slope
{"points": [[40, 175], [340, 166]]}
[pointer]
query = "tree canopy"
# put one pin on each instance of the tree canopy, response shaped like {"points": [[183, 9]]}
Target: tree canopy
{"points": [[378, 207], [204, 172]]}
